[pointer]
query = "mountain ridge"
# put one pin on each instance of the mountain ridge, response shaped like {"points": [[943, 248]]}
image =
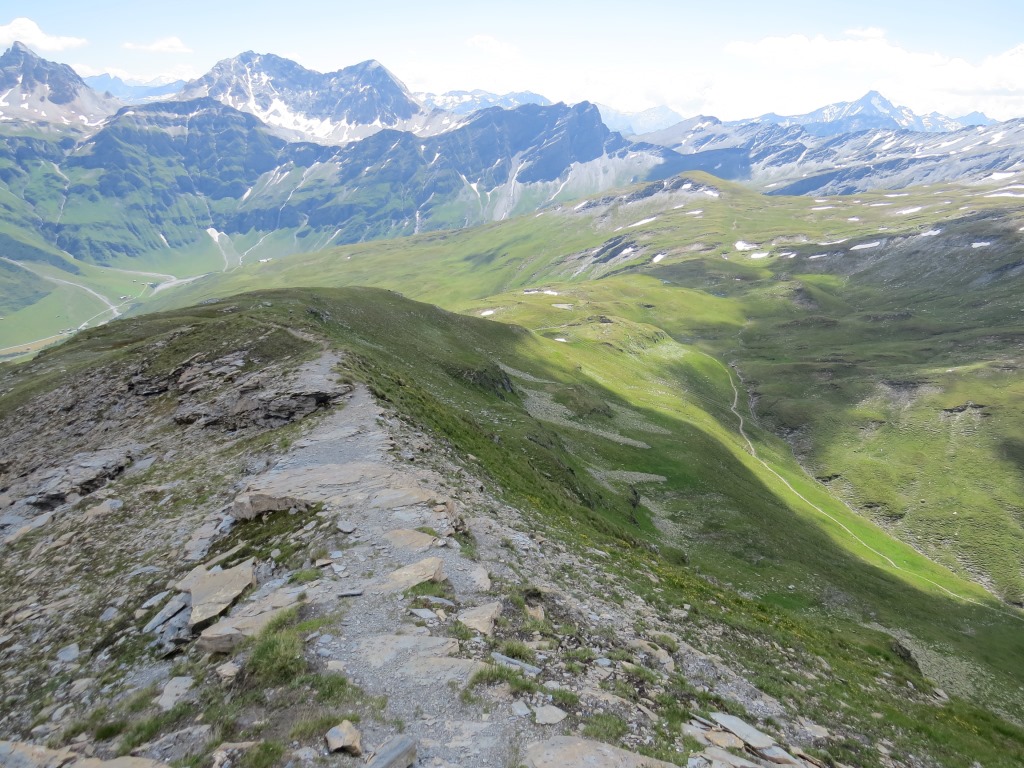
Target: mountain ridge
{"points": [[38, 90]]}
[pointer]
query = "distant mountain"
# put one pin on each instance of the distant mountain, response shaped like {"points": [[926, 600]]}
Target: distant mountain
{"points": [[37, 90], [467, 102], [633, 123], [790, 159], [975, 118], [870, 112], [171, 176], [131, 92], [327, 108]]}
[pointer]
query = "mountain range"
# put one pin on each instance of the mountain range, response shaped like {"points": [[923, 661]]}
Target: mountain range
{"points": [[870, 112], [466, 430], [262, 158], [133, 92]]}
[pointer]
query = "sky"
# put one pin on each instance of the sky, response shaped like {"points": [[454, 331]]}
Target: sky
{"points": [[727, 59]]}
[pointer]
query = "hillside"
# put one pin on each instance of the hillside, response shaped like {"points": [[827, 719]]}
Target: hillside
{"points": [[316, 442]]}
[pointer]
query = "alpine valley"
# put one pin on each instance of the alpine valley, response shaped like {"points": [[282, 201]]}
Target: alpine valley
{"points": [[469, 429]]}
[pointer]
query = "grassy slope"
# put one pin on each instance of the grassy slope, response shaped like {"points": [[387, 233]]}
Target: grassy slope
{"points": [[815, 338], [612, 387]]}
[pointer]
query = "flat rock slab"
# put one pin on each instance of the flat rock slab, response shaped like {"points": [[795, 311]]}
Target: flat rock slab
{"points": [[428, 569], [383, 650], [779, 756], [416, 541], [299, 487], [16, 754], [720, 756], [749, 734], [429, 672], [549, 715], [214, 593], [573, 752], [399, 752], [173, 692], [419, 660], [480, 579], [724, 739], [393, 498], [481, 618], [228, 633]]}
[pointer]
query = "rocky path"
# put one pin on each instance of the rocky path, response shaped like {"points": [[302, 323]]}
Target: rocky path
{"points": [[490, 645]]}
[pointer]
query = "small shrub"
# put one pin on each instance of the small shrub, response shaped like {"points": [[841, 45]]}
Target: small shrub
{"points": [[277, 656], [515, 649], [431, 588], [110, 730], [666, 642], [605, 727], [316, 727], [265, 755], [305, 576], [565, 698]]}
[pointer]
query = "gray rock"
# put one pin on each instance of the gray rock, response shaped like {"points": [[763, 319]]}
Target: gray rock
{"points": [[154, 600], [779, 756], [345, 737], [68, 653], [549, 715], [176, 604], [423, 613], [520, 708], [346, 526], [506, 661], [109, 614], [400, 752], [565, 751], [174, 692], [748, 733], [441, 601]]}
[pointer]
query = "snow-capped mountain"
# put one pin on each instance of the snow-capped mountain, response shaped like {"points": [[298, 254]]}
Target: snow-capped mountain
{"points": [[33, 89], [975, 118], [871, 111], [132, 92], [633, 123], [790, 159], [328, 108], [467, 102]]}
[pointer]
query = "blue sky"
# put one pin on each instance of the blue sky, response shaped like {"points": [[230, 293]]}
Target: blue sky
{"points": [[730, 59]]}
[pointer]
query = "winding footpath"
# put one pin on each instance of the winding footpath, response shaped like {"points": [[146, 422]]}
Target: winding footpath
{"points": [[753, 452]]}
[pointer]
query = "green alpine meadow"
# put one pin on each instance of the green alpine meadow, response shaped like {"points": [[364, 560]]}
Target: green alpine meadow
{"points": [[343, 424]]}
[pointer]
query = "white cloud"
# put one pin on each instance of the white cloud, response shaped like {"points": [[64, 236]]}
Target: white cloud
{"points": [[865, 32], [28, 32], [136, 77], [798, 73], [163, 45], [493, 46]]}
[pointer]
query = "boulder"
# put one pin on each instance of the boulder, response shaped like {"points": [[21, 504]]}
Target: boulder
{"points": [[481, 618], [345, 737]]}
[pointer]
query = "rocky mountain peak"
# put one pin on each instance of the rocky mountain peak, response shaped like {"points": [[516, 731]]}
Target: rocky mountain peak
{"points": [[39, 90], [329, 108]]}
